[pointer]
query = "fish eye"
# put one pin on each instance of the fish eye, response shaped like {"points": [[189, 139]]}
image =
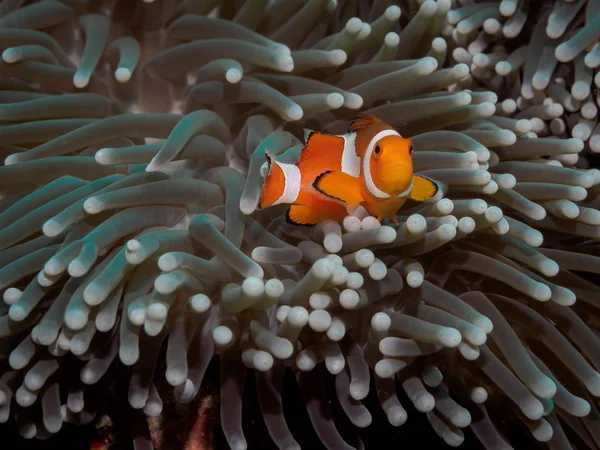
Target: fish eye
{"points": [[377, 150], [411, 149]]}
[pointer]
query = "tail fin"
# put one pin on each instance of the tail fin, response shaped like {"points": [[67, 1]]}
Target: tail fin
{"points": [[274, 185]]}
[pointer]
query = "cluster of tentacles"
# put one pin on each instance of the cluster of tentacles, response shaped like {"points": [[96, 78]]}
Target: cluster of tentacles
{"points": [[133, 138]]}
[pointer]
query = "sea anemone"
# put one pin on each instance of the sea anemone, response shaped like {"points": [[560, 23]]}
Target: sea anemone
{"points": [[133, 145]]}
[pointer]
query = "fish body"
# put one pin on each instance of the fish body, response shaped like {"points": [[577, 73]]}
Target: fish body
{"points": [[370, 166]]}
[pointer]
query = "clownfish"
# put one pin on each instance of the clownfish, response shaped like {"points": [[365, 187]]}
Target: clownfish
{"points": [[370, 166]]}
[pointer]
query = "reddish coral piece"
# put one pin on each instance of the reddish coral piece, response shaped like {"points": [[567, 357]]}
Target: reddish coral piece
{"points": [[194, 432]]}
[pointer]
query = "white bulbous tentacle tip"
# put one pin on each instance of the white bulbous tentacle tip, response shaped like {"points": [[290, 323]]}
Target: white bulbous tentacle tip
{"points": [[493, 214], [133, 245], [81, 80], [338, 57], [253, 286], [222, 335], [157, 311], [102, 156], [247, 207], [507, 137], [386, 234], [319, 320], [164, 283], [507, 9], [77, 269], [323, 268], [439, 44], [262, 361], [93, 294], [462, 98], [294, 112], [426, 65], [353, 101], [446, 232], [393, 13], [51, 228], [542, 292], [122, 75], [460, 70], [274, 288], [335, 100], [12, 295], [381, 322], [284, 63], [428, 8], [450, 337], [282, 49], [384, 369], [233, 76], [92, 205], [392, 39], [445, 206], [354, 25], [414, 279], [486, 109], [466, 225], [564, 53], [332, 243], [11, 55], [416, 223], [12, 159], [200, 302], [298, 316], [16, 312], [76, 320], [166, 262]]}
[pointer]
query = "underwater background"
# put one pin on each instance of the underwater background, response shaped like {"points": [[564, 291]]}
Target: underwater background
{"points": [[147, 302]]}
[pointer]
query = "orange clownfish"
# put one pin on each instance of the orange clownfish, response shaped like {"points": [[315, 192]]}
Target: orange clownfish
{"points": [[370, 166]]}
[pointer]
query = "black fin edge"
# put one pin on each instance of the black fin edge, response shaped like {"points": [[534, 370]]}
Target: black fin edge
{"points": [[316, 182]]}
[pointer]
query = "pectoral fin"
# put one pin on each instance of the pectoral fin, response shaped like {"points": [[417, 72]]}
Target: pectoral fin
{"points": [[341, 186], [424, 189]]}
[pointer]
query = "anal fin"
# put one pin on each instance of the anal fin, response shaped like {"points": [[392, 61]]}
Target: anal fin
{"points": [[302, 215]]}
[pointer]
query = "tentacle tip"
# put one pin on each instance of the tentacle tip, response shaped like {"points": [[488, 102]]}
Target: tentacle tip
{"points": [[393, 13], [93, 294], [123, 75], [52, 228], [93, 206], [154, 166], [294, 112], [17, 312], [12, 159], [233, 76], [80, 80], [353, 101], [284, 63], [11, 55], [337, 57]]}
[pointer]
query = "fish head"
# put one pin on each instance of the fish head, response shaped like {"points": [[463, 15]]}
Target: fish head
{"points": [[391, 164]]}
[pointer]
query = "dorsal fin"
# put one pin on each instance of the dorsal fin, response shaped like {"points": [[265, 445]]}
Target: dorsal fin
{"points": [[322, 152], [307, 134], [361, 122]]}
